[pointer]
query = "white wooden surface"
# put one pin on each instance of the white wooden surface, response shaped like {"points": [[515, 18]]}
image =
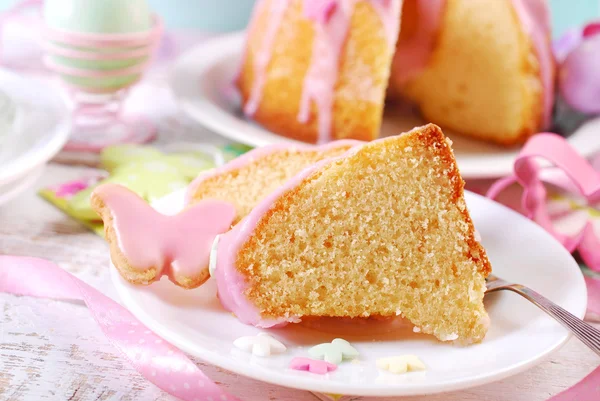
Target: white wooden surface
{"points": [[51, 350]]}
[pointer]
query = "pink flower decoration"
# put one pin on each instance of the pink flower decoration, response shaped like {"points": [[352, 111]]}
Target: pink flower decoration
{"points": [[572, 174], [312, 365], [591, 29], [578, 53], [68, 189]]}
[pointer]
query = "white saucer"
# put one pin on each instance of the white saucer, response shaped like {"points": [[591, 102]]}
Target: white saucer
{"points": [[520, 335], [201, 80], [39, 130], [14, 188]]}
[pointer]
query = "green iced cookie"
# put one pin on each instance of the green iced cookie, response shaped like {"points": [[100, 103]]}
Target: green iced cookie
{"points": [[149, 179], [118, 155]]}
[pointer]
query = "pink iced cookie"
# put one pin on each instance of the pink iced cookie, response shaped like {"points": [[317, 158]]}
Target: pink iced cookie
{"points": [[146, 245], [312, 365], [579, 76]]}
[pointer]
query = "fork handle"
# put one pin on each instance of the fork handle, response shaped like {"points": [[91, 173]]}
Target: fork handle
{"points": [[587, 333]]}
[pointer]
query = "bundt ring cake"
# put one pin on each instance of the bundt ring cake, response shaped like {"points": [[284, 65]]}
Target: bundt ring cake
{"points": [[381, 230], [318, 70]]}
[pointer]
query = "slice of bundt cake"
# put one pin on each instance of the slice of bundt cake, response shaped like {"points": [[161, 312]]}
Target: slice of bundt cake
{"points": [[248, 179], [380, 231]]}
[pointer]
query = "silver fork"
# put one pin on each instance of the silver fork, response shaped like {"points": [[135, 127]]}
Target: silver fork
{"points": [[588, 334]]}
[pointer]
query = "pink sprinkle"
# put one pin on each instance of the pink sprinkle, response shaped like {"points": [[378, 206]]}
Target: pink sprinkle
{"points": [[70, 188], [312, 365]]}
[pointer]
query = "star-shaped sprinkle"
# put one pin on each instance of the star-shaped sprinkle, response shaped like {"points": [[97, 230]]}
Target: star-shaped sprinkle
{"points": [[400, 364], [312, 365], [334, 352], [261, 344]]}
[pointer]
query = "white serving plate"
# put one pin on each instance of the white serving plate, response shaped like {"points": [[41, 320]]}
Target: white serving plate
{"points": [[520, 335], [39, 131], [201, 80]]}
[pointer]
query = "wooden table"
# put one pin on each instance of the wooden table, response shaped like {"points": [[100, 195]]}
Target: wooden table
{"points": [[52, 350]]}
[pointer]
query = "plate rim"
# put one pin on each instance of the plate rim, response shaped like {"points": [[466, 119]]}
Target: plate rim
{"points": [[305, 384], [20, 184], [207, 54], [58, 136]]}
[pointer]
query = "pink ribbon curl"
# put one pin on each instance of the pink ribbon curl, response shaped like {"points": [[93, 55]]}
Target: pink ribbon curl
{"points": [[158, 361], [563, 168]]}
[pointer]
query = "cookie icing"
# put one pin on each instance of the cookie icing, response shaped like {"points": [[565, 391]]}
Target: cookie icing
{"points": [[176, 245], [534, 16]]}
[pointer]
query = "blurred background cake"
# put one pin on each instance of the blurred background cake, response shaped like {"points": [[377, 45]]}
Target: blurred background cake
{"points": [[318, 70]]}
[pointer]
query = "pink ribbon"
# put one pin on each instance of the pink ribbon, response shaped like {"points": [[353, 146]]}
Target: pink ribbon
{"points": [[567, 171], [155, 359], [593, 286], [158, 361], [587, 389]]}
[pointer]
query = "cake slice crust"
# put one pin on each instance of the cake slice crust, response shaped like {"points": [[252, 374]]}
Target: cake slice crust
{"points": [[383, 231], [255, 175]]}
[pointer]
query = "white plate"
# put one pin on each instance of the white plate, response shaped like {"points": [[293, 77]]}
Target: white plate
{"points": [[14, 188], [201, 81], [40, 130], [520, 334]]}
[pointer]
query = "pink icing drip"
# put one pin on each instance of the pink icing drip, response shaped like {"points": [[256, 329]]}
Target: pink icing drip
{"points": [[322, 74], [535, 20], [389, 14], [332, 21], [231, 284], [262, 57], [175, 245], [413, 55], [257, 10]]}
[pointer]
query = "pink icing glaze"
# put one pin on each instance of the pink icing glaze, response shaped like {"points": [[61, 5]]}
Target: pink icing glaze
{"points": [[258, 153], [332, 21], [231, 284], [176, 245], [413, 55], [389, 13], [262, 57], [535, 20], [331, 30]]}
